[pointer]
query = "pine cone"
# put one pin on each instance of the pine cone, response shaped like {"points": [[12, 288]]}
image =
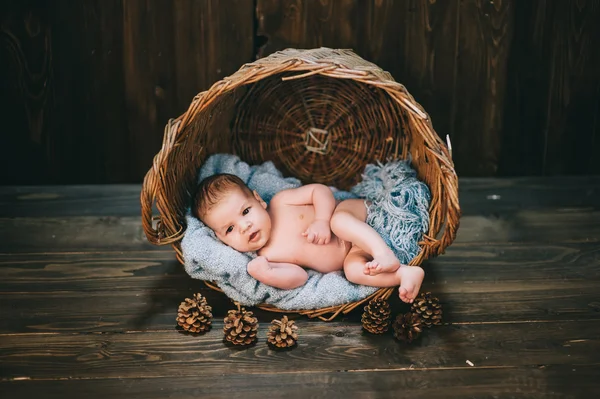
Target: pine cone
{"points": [[428, 308], [376, 317], [282, 333], [240, 327], [194, 315], [407, 327]]}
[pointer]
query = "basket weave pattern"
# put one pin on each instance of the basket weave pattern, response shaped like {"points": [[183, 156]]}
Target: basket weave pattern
{"points": [[320, 115]]}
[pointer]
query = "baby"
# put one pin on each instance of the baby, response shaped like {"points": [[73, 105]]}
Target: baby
{"points": [[301, 228]]}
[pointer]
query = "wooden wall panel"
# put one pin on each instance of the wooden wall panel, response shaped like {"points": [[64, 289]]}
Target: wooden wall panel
{"points": [[87, 86], [305, 24], [414, 40], [553, 117], [174, 50], [451, 55], [25, 92], [89, 117], [212, 39], [484, 41], [419, 51], [149, 71], [91, 84]]}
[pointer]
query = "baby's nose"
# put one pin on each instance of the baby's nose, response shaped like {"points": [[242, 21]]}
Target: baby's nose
{"points": [[245, 226]]}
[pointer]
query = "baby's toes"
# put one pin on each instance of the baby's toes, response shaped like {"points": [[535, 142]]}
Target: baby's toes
{"points": [[404, 295]]}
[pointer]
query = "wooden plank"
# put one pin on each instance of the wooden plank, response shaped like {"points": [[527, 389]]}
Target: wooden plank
{"points": [[414, 41], [98, 312], [73, 234], [528, 266], [305, 24], [429, 59], [141, 291], [486, 30], [531, 226], [417, 43], [478, 196], [212, 39], [506, 382], [88, 126], [118, 70], [26, 101], [175, 50], [321, 346], [526, 209], [72, 200], [485, 196], [96, 271], [554, 90], [156, 308], [108, 233], [150, 80]]}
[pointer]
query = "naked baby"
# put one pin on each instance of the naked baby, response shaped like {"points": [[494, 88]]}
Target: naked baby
{"points": [[301, 228]]}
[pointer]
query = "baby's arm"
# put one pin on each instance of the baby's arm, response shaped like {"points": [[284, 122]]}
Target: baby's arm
{"points": [[321, 197], [277, 274]]}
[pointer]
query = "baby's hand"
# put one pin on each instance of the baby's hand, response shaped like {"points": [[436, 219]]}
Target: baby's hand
{"points": [[318, 232], [260, 262]]}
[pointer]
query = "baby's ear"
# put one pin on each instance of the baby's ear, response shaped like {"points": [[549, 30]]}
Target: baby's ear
{"points": [[259, 199]]}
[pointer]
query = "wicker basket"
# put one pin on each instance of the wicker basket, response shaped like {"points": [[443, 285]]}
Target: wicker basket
{"points": [[320, 115]]}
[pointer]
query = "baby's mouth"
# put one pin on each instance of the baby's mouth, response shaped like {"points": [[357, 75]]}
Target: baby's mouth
{"points": [[253, 236]]}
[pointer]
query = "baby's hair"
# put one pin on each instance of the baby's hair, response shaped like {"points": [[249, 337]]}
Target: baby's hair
{"points": [[212, 190]]}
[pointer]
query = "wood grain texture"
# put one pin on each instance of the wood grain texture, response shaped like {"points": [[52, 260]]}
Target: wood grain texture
{"points": [[91, 311], [478, 196], [554, 90], [544, 382], [321, 346], [141, 291], [26, 86], [305, 24], [486, 29], [73, 234], [155, 308], [174, 50], [544, 266], [89, 119], [90, 86], [211, 39], [149, 74], [120, 233], [418, 47], [72, 200], [415, 41]]}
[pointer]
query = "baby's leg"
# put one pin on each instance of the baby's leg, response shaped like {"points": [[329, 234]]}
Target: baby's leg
{"points": [[409, 278], [348, 223]]}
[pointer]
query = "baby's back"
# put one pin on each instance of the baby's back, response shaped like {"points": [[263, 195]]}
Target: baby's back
{"points": [[287, 244]]}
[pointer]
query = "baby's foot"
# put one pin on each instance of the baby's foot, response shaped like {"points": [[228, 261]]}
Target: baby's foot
{"points": [[411, 278], [384, 263]]}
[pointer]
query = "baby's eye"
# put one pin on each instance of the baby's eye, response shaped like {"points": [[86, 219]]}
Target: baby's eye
{"points": [[229, 230], [245, 211]]}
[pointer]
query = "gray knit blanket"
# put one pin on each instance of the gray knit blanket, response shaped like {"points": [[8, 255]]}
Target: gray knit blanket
{"points": [[398, 211]]}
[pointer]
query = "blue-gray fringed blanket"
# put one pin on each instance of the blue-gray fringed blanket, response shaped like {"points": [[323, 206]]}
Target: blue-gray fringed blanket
{"points": [[399, 211]]}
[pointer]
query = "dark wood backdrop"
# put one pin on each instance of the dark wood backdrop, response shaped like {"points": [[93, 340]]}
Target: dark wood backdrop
{"points": [[87, 86]]}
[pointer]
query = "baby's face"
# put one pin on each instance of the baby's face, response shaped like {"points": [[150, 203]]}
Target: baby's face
{"points": [[240, 221]]}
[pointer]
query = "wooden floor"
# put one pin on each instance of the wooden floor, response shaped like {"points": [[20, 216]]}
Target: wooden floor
{"points": [[87, 307]]}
